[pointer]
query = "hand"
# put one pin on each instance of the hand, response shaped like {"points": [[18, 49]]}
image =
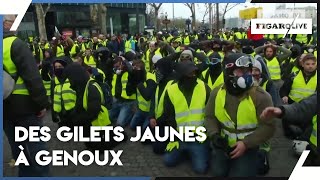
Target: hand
{"points": [[270, 112], [285, 99], [240, 148], [153, 122], [42, 113]]}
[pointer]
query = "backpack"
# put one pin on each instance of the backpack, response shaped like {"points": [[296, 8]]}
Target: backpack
{"points": [[8, 84], [106, 90]]}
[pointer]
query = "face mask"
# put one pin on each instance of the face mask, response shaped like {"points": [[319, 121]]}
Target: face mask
{"points": [[310, 50], [215, 68], [237, 85], [58, 72]]}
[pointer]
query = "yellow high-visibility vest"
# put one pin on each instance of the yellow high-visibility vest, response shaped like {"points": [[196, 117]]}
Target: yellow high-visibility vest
{"points": [[143, 104], [300, 89], [159, 102], [313, 137], [60, 51], [90, 62], [274, 68], [63, 96], [147, 58], [246, 121], [186, 115], [103, 117], [219, 81], [11, 68], [124, 82]]}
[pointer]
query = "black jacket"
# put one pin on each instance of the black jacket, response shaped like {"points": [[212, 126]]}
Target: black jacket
{"points": [[78, 78], [21, 105]]}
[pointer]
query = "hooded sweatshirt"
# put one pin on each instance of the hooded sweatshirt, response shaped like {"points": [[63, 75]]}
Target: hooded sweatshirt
{"points": [[78, 77]]}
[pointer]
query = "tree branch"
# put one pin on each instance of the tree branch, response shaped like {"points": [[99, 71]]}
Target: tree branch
{"points": [[233, 7], [47, 9], [189, 5]]}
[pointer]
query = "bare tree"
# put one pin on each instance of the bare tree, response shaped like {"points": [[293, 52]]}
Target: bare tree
{"points": [[94, 13], [227, 8], [41, 11], [193, 13], [206, 12], [102, 10], [156, 7]]}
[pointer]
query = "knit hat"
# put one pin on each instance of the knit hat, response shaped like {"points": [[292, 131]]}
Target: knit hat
{"points": [[257, 64], [187, 52]]}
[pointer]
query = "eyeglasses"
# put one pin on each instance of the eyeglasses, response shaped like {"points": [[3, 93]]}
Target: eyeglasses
{"points": [[243, 61]]}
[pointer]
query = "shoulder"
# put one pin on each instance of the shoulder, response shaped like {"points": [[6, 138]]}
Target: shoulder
{"points": [[262, 95]]}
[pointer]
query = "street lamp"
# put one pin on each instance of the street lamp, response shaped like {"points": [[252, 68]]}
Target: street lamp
{"points": [[188, 22], [166, 21]]}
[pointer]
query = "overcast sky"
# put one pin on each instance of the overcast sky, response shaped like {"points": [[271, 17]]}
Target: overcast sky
{"points": [[180, 10]]}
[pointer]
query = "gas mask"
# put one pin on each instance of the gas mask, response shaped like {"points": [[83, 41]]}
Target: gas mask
{"points": [[236, 85]]}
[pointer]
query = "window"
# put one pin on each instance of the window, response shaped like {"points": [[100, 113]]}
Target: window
{"points": [[28, 17]]}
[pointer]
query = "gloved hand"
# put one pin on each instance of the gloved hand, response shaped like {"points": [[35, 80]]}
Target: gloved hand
{"points": [[172, 145]]}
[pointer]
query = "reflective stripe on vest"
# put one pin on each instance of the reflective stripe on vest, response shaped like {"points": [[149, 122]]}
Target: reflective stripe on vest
{"points": [[159, 102], [246, 118], [103, 117], [124, 82], [11, 68], [143, 104], [90, 62], [47, 86], [313, 137], [185, 115], [300, 90], [218, 82], [274, 68], [60, 51]]}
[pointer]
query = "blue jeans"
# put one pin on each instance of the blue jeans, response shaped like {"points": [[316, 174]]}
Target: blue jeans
{"points": [[244, 166], [199, 153], [121, 113], [30, 148], [140, 118]]}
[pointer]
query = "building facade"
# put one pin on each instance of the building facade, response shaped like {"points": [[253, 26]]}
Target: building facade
{"points": [[75, 19]]}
